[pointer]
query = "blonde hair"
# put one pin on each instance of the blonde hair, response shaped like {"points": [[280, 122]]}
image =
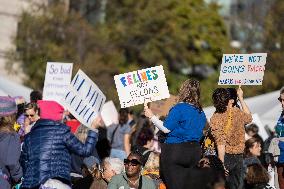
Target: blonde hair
{"points": [[7, 123], [190, 93]]}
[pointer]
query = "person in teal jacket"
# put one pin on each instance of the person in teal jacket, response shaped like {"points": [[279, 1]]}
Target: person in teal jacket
{"points": [[132, 178]]}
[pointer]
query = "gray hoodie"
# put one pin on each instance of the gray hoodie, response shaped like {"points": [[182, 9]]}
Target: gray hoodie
{"points": [[10, 150]]}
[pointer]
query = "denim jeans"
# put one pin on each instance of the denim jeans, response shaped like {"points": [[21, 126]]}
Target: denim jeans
{"points": [[234, 164], [116, 153]]}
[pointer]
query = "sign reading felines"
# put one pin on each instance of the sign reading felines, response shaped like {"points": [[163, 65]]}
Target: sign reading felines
{"points": [[83, 99], [57, 80], [242, 69], [141, 86]]}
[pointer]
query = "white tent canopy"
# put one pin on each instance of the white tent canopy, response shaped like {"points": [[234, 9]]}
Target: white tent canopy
{"points": [[10, 88], [265, 108]]}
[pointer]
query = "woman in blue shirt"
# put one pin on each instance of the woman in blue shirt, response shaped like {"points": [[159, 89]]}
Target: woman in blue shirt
{"points": [[183, 125]]}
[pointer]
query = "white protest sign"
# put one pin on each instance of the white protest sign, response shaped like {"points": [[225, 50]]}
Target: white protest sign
{"points": [[262, 132], [57, 80], [109, 113], [146, 85], [83, 99], [242, 69]]}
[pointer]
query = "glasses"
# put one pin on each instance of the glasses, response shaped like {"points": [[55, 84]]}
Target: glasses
{"points": [[29, 115], [132, 162], [280, 99]]}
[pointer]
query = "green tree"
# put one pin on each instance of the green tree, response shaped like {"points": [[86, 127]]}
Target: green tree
{"points": [[274, 34], [175, 34], [134, 35]]}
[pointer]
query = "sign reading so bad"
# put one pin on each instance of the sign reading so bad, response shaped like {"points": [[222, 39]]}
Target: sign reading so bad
{"points": [[242, 69], [146, 85], [57, 80]]}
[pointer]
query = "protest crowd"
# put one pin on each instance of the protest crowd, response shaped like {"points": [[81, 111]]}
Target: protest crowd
{"points": [[43, 145]]}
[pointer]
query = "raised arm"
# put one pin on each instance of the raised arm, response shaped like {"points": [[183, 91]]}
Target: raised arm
{"points": [[244, 106], [77, 147], [158, 123]]}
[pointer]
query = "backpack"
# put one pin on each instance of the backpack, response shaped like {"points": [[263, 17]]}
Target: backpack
{"points": [[208, 145]]}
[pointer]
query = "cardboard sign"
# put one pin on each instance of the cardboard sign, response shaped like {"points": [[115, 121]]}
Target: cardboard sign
{"points": [[242, 69], [141, 86], [83, 99], [109, 113], [162, 107], [57, 80]]}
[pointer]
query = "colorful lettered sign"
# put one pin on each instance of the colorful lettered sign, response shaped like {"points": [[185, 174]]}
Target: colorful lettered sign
{"points": [[141, 86], [242, 69], [57, 80], [83, 99]]}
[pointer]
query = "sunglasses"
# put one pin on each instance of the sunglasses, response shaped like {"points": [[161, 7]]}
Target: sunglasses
{"points": [[132, 162], [29, 115], [280, 99]]}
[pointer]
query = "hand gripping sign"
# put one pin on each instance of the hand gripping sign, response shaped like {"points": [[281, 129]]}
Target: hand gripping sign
{"points": [[146, 85]]}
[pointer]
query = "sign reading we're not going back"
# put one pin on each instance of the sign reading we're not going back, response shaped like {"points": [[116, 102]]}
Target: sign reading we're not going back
{"points": [[242, 69]]}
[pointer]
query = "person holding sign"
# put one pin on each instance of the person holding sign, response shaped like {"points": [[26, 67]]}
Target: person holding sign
{"points": [[46, 158], [228, 129], [184, 124]]}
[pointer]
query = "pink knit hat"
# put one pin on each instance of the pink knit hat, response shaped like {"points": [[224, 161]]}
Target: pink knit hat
{"points": [[7, 106], [50, 110]]}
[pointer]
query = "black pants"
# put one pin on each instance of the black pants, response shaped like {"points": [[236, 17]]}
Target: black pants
{"points": [[177, 161], [234, 164]]}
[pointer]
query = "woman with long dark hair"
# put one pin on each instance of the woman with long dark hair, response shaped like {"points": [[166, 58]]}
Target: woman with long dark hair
{"points": [[184, 124], [256, 176], [228, 128]]}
